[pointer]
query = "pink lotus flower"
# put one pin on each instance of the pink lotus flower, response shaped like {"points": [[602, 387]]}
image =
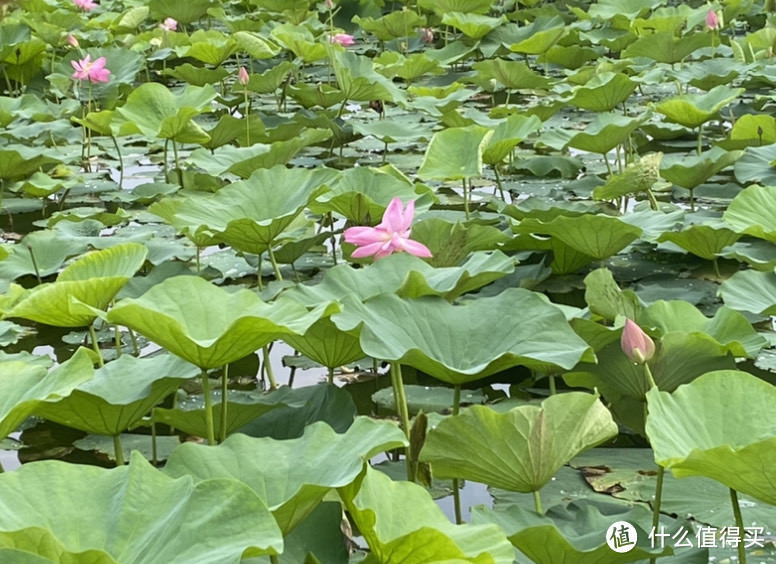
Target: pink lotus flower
{"points": [[329, 4], [392, 235], [72, 40], [93, 71], [243, 76], [342, 39], [169, 24], [636, 344], [85, 5], [712, 21], [426, 35]]}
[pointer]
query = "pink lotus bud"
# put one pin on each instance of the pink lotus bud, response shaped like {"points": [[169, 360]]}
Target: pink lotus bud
{"points": [[243, 76], [72, 40], [636, 344], [169, 24], [426, 35], [329, 4], [712, 21], [342, 39]]}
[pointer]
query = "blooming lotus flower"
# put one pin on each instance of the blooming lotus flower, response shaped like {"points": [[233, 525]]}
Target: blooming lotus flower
{"points": [[342, 39], [426, 35], [392, 235], [93, 71], [243, 76], [169, 24], [712, 21], [85, 5], [636, 344]]}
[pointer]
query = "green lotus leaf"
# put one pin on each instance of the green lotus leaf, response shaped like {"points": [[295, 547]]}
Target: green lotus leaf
{"points": [[403, 525], [426, 399], [527, 445], [392, 131], [451, 243], [507, 135], [758, 254], [326, 344], [453, 342], [537, 37], [209, 47], [665, 47], [207, 325], [20, 161], [87, 284], [472, 25], [41, 185], [250, 214], [604, 297], [309, 95], [290, 476], [605, 132], [135, 514], [42, 252], [638, 176], [705, 241], [153, 111], [751, 291], [409, 68], [255, 45], [197, 76], [120, 394], [513, 75], [604, 92], [756, 165], [406, 275], [692, 171], [708, 73], [36, 545], [394, 25], [455, 153], [631, 9], [749, 212], [441, 7], [300, 41], [693, 110], [751, 131], [357, 78], [571, 533], [25, 385], [191, 12], [721, 426], [597, 236]]}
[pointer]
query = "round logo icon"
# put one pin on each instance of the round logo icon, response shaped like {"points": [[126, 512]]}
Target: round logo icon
{"points": [[621, 536]]}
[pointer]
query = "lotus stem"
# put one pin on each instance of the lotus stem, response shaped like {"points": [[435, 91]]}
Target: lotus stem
{"points": [[275, 266], [700, 140], [121, 162], [656, 505], [95, 345], [400, 400], [456, 491], [224, 403], [135, 347], [154, 450], [331, 375], [652, 200], [34, 264], [211, 436], [553, 391], [273, 559], [739, 524], [498, 182], [715, 262], [198, 263], [117, 339], [538, 502], [2, 470], [608, 166], [465, 199], [273, 385], [692, 200], [177, 163], [164, 158], [117, 449], [247, 120], [333, 239]]}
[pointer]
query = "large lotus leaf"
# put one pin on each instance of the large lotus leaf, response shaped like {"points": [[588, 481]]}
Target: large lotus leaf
{"points": [[507, 135], [300, 41], [43, 252], [758, 254], [137, 514], [183, 13], [250, 214], [608, 9], [401, 23], [680, 358], [326, 344], [455, 153], [604, 297], [120, 394], [410, 68], [90, 282], [537, 37], [513, 75], [207, 325], [392, 131], [406, 275], [605, 132], [749, 212], [604, 92], [450, 243], [692, 171], [455, 343], [598, 236], [24, 385], [243, 407], [751, 130], [571, 533], [721, 426], [441, 7], [403, 525], [527, 445], [359, 81], [705, 241], [693, 110], [19, 161], [665, 47], [750, 290], [472, 25], [153, 111], [293, 475], [756, 165]]}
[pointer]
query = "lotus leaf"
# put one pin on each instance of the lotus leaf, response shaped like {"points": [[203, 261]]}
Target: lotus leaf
{"points": [[604, 92], [665, 47], [704, 241], [393, 25], [693, 110], [749, 212], [527, 445], [750, 291], [40, 252], [605, 132], [472, 25], [455, 153], [690, 172], [721, 426], [513, 75]]}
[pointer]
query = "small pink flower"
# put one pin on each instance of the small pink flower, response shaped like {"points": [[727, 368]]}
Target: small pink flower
{"points": [[243, 76], [169, 24], [712, 21], [329, 4], [392, 235], [426, 35], [72, 40], [85, 5], [93, 71], [636, 344], [342, 39]]}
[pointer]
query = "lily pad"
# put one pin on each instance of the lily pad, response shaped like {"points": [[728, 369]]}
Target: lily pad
{"points": [[693, 110]]}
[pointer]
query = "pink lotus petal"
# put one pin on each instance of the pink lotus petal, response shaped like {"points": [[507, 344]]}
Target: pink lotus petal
{"points": [[368, 250], [393, 218], [636, 344], [415, 248]]}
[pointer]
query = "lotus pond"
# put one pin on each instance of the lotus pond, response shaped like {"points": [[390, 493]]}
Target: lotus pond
{"points": [[387, 281]]}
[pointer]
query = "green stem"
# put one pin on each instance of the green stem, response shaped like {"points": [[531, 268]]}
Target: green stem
{"points": [[608, 166], [553, 391], [121, 162], [247, 120], [456, 491], [2, 470], [224, 403], [739, 524], [648, 374], [275, 267], [498, 182], [34, 264], [273, 385], [95, 345], [331, 375], [692, 201], [177, 163], [333, 239], [652, 200], [165, 169], [716, 268], [400, 400], [154, 449], [119, 452], [465, 199], [656, 506], [538, 502], [700, 139], [117, 340], [211, 435], [135, 347], [273, 559]]}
